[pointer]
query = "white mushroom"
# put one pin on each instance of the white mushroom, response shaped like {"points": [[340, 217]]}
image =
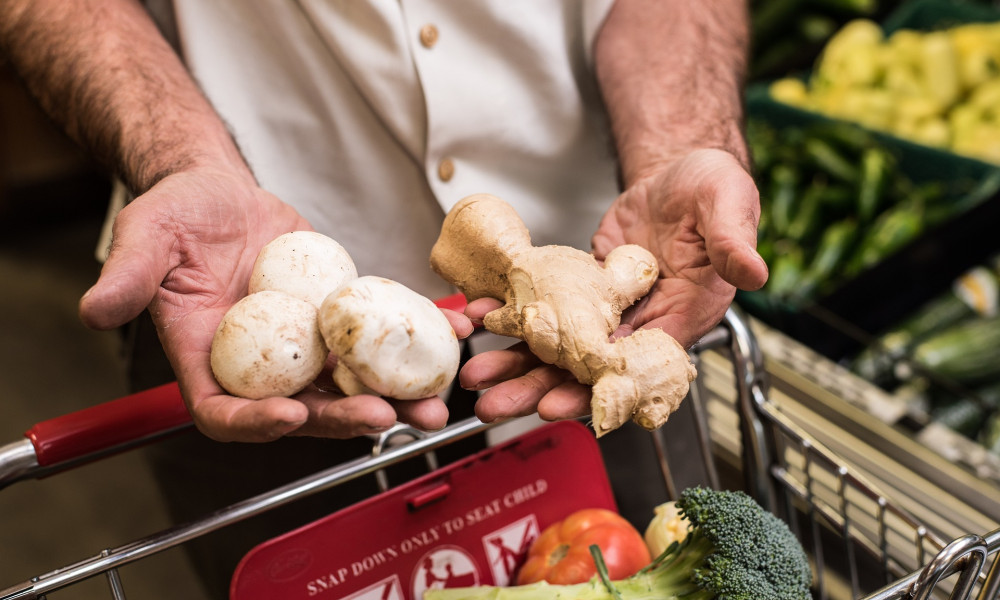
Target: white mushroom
{"points": [[388, 340], [268, 344], [305, 264]]}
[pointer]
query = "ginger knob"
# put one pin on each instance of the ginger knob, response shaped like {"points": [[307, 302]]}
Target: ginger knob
{"points": [[565, 305]]}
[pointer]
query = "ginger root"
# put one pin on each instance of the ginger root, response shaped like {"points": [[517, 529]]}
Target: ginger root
{"points": [[566, 305]]}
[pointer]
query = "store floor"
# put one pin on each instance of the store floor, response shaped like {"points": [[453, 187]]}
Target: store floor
{"points": [[51, 365]]}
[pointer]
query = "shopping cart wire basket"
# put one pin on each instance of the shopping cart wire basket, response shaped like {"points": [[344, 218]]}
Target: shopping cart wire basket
{"points": [[862, 545]]}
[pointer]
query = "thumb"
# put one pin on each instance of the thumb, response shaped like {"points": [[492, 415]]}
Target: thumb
{"points": [[129, 280], [731, 243], [738, 262]]}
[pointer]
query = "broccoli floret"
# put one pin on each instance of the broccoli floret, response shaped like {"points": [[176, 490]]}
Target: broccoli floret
{"points": [[735, 550], [744, 552]]}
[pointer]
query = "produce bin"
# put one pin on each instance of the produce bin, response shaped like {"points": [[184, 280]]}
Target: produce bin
{"points": [[839, 322], [856, 323], [862, 541]]}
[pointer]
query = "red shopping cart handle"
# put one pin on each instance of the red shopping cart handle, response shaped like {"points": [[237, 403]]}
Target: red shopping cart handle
{"points": [[117, 423], [126, 421]]}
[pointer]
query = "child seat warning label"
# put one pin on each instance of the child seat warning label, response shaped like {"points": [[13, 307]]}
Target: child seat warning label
{"points": [[445, 550], [471, 523]]}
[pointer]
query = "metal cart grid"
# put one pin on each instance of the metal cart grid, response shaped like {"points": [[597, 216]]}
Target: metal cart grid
{"points": [[854, 534]]}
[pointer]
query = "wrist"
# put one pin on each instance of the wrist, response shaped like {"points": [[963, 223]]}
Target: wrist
{"points": [[148, 158], [649, 154], [643, 162]]}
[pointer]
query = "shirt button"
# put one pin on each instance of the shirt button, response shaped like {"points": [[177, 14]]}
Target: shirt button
{"points": [[446, 169], [428, 36]]}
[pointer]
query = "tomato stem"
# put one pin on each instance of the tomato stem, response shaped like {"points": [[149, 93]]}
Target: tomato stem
{"points": [[558, 554]]}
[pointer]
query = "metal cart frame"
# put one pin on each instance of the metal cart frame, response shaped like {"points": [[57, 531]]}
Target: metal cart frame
{"points": [[835, 511]]}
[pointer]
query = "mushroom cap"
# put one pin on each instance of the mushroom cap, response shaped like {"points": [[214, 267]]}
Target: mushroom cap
{"points": [[268, 344], [394, 341], [304, 264]]}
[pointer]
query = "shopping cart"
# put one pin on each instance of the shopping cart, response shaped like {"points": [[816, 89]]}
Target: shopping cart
{"points": [[861, 543]]}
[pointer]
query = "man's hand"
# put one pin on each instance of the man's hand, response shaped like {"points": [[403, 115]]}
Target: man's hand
{"points": [[699, 218], [185, 249]]}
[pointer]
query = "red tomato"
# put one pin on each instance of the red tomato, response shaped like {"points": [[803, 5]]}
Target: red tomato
{"points": [[561, 555]]}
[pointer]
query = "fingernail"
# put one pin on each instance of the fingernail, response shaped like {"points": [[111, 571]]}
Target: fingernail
{"points": [[479, 386], [291, 425], [285, 428], [477, 322]]}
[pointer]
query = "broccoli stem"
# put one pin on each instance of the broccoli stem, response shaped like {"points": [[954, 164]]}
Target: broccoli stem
{"points": [[638, 589], [666, 578]]}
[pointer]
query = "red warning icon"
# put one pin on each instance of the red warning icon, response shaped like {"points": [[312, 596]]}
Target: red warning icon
{"points": [[507, 547]]}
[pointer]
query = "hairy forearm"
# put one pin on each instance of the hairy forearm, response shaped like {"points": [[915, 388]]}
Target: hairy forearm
{"points": [[101, 70], [672, 75]]}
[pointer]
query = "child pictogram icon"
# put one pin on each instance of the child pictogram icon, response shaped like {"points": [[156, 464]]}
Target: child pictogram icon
{"points": [[444, 567], [507, 547]]}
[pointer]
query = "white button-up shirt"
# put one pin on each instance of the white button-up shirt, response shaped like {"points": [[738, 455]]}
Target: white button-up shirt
{"points": [[372, 118]]}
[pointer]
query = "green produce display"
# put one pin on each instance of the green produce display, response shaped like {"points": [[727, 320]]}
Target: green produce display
{"points": [[973, 294], [835, 202], [944, 359], [967, 352], [876, 154]]}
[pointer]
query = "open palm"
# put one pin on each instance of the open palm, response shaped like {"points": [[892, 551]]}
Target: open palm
{"points": [[699, 218], [185, 250]]}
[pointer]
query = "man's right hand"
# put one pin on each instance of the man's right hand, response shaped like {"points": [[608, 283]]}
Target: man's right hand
{"points": [[185, 250]]}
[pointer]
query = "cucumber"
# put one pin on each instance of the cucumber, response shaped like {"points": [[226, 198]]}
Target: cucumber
{"points": [[877, 361], [829, 160], [818, 202], [875, 168], [786, 272], [936, 315], [833, 248], [847, 137], [967, 353], [891, 231], [975, 293], [784, 192]]}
